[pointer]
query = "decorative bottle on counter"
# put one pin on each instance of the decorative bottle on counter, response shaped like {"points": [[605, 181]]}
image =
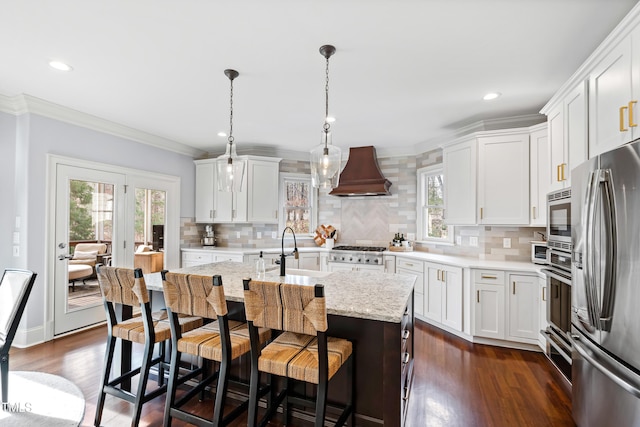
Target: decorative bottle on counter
{"points": [[260, 267]]}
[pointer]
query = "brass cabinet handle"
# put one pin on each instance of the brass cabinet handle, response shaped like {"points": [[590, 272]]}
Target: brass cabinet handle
{"points": [[486, 276], [622, 128], [558, 173], [544, 294], [481, 213], [478, 296], [514, 288], [438, 275], [563, 168], [534, 212], [632, 124], [444, 277]]}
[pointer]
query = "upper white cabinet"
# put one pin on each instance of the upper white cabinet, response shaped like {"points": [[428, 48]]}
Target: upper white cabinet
{"points": [[540, 180], [257, 202], [262, 203], [460, 182], [503, 179]]}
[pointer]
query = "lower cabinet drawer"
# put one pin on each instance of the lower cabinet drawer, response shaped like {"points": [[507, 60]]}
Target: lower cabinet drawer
{"points": [[201, 257]]}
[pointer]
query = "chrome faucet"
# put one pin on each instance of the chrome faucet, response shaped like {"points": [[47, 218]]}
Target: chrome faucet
{"points": [[282, 255]]}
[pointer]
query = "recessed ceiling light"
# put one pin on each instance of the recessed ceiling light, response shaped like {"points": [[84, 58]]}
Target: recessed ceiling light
{"points": [[491, 95], [222, 134], [60, 66], [331, 119]]}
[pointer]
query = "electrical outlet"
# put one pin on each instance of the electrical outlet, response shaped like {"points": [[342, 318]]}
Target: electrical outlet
{"points": [[458, 240], [16, 251], [259, 235], [473, 241], [238, 234], [506, 243], [274, 235]]}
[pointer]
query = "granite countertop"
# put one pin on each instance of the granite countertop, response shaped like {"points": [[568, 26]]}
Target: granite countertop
{"points": [[288, 247], [365, 295]]}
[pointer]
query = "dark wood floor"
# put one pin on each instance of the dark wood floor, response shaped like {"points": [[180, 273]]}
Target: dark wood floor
{"points": [[456, 383]]}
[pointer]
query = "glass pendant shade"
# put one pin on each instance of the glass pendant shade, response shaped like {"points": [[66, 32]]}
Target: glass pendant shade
{"points": [[325, 163], [230, 170]]}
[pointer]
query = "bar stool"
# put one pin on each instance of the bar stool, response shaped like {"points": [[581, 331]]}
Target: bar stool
{"points": [[127, 287], [221, 341], [302, 352]]}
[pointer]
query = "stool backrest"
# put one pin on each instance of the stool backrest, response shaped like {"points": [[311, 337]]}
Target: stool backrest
{"points": [[15, 288], [123, 286], [194, 295], [286, 307]]}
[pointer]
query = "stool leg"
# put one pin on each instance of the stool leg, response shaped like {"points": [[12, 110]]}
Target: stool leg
{"points": [[254, 383], [285, 403], [108, 359], [4, 367], [142, 385], [221, 390], [172, 385], [321, 404]]}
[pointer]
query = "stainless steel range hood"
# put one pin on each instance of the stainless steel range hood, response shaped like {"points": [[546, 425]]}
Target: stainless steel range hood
{"points": [[361, 175]]}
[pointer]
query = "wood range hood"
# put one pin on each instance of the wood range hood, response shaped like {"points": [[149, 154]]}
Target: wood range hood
{"points": [[361, 175]]}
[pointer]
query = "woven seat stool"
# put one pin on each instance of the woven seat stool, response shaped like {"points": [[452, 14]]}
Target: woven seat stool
{"points": [[127, 287], [303, 351], [220, 341]]}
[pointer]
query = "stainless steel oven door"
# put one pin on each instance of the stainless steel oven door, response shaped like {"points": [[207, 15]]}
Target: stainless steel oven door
{"points": [[559, 300]]}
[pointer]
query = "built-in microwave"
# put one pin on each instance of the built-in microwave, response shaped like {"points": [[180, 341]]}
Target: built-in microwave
{"points": [[559, 219], [539, 253]]}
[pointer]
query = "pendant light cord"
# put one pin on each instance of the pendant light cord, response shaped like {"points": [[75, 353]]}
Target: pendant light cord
{"points": [[326, 105], [230, 139]]}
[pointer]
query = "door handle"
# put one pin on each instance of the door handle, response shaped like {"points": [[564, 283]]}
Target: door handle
{"points": [[622, 128], [63, 257], [632, 124]]}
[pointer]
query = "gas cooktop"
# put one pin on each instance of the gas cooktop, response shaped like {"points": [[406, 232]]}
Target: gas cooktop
{"points": [[359, 248]]}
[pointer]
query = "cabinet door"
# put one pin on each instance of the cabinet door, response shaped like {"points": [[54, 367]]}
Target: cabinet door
{"points": [[389, 262], [324, 262], [309, 261], [576, 123], [336, 266], [433, 292], [460, 183], [489, 314], [231, 206], [451, 297], [503, 179], [418, 289], [205, 185], [555, 129], [540, 179], [609, 95], [263, 197], [523, 307], [542, 342]]}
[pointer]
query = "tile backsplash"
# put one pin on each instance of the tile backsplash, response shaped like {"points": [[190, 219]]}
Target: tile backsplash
{"points": [[375, 220]]}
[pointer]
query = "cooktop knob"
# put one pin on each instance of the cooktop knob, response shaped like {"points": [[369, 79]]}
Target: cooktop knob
{"points": [[367, 260], [376, 260], [358, 259], [350, 258]]}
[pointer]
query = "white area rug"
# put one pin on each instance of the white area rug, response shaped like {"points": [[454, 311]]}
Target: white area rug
{"points": [[40, 399]]}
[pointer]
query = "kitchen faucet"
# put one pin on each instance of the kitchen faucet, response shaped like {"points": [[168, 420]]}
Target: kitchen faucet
{"points": [[282, 255]]}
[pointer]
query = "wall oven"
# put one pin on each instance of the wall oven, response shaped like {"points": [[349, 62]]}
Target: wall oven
{"points": [[559, 219], [559, 281]]}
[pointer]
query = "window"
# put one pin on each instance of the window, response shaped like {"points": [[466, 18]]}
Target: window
{"points": [[298, 202], [430, 204]]}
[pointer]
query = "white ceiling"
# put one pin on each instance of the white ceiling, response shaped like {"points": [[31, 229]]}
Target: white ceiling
{"points": [[405, 72]]}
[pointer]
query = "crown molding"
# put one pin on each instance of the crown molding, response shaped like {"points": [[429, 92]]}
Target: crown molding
{"points": [[23, 104]]}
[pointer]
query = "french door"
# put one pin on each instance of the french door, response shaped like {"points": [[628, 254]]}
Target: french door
{"points": [[89, 207]]}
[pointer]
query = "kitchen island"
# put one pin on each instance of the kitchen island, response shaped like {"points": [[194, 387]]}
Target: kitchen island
{"points": [[373, 310]]}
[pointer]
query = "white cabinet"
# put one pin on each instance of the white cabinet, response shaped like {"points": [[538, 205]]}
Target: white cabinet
{"points": [[193, 258], [489, 304], [539, 177], [524, 307], [612, 99], [343, 266], [309, 261], [205, 187], [443, 295], [567, 132], [416, 269], [503, 179], [324, 261], [460, 182], [263, 200], [220, 257], [257, 202], [389, 262]]}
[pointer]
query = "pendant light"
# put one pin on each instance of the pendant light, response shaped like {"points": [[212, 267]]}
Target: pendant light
{"points": [[326, 157], [230, 169]]}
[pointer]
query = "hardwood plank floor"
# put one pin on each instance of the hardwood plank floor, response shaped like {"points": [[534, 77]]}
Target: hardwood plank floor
{"points": [[456, 383]]}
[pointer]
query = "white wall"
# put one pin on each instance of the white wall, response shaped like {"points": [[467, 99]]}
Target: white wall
{"points": [[35, 137], [7, 177]]}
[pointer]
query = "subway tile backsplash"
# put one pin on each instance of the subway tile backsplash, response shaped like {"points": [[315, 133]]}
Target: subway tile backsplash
{"points": [[375, 220]]}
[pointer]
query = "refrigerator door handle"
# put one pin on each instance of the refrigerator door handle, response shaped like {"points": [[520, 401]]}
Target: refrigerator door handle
{"points": [[608, 291], [589, 265], [604, 363]]}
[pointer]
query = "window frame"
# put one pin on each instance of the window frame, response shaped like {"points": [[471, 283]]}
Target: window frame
{"points": [[421, 206], [313, 204]]}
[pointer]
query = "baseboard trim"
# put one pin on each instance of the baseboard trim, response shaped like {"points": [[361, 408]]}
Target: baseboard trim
{"points": [[28, 337]]}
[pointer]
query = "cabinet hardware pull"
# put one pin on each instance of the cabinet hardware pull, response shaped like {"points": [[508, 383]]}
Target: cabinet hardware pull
{"points": [[486, 276], [214, 213], [405, 334], [478, 296], [406, 358], [233, 213], [622, 128], [514, 288], [534, 212], [632, 124], [558, 173], [481, 213], [439, 275], [409, 264], [276, 213], [211, 213], [444, 277], [563, 167], [544, 294]]}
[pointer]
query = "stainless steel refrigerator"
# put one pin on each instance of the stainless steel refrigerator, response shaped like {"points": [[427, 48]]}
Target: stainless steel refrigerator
{"points": [[605, 291]]}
